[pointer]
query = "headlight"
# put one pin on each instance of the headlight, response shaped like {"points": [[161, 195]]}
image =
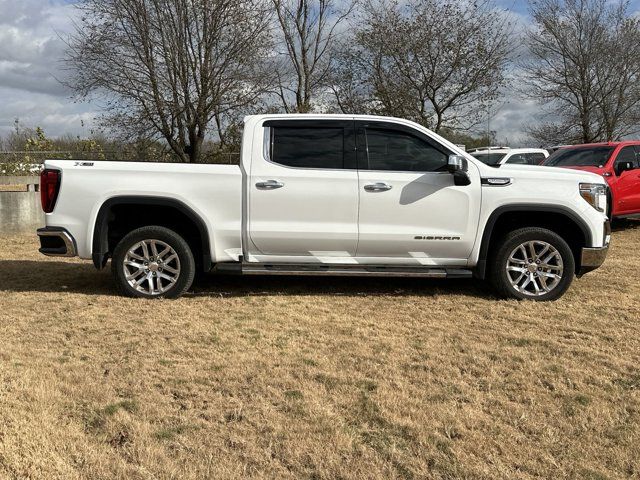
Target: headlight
{"points": [[595, 194]]}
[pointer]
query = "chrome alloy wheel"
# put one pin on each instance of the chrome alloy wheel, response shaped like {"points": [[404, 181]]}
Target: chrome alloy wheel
{"points": [[151, 267], [534, 268]]}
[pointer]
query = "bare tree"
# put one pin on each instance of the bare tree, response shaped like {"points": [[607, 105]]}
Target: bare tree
{"points": [[433, 61], [308, 33], [546, 133], [584, 65], [171, 69]]}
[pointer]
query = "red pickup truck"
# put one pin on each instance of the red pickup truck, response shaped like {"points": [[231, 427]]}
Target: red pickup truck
{"points": [[617, 162]]}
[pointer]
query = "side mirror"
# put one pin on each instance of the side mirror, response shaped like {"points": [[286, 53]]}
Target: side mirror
{"points": [[456, 163], [457, 166], [623, 167]]}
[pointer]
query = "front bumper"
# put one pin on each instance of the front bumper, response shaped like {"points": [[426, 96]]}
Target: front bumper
{"points": [[56, 242], [593, 257]]}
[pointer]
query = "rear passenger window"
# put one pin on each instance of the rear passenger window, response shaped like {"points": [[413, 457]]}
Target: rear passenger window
{"points": [[536, 158], [308, 147], [526, 158], [518, 158], [402, 152]]}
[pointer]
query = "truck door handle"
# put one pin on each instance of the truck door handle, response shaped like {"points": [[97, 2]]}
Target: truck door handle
{"points": [[269, 185], [377, 187]]}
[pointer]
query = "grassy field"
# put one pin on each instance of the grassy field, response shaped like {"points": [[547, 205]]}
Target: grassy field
{"points": [[317, 377]]}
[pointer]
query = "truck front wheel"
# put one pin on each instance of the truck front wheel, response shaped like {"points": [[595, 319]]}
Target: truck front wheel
{"points": [[532, 263], [153, 262]]}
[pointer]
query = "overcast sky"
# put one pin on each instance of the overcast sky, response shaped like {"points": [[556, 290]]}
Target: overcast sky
{"points": [[31, 48]]}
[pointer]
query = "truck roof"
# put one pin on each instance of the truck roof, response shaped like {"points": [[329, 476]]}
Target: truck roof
{"points": [[508, 150], [603, 144], [336, 116]]}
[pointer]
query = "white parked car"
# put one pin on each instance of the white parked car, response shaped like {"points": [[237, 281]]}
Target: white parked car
{"points": [[329, 195], [496, 156]]}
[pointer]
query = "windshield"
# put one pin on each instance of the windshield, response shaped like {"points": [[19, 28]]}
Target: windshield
{"points": [[579, 157], [489, 158]]}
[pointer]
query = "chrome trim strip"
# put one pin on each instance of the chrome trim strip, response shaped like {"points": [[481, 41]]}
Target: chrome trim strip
{"points": [[495, 181], [66, 238], [343, 273], [351, 270]]}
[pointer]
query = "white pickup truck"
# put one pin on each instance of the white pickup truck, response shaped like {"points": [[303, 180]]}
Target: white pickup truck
{"points": [[329, 195]]}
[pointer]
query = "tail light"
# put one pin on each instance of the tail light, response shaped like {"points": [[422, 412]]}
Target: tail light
{"points": [[49, 188]]}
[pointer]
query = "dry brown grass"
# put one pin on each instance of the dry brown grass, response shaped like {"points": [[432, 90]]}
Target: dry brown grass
{"points": [[316, 378]]}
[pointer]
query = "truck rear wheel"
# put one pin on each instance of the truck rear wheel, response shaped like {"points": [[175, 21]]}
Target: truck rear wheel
{"points": [[153, 262], [532, 263]]}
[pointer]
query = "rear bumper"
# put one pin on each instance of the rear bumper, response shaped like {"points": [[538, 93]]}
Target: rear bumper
{"points": [[56, 242], [593, 257]]}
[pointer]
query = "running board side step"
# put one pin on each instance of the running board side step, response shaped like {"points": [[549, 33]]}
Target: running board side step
{"points": [[351, 270]]}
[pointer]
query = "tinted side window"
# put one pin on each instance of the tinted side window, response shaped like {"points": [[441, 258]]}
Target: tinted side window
{"points": [[536, 158], [579, 157], [627, 154], [402, 152], [637, 148], [308, 147], [518, 158]]}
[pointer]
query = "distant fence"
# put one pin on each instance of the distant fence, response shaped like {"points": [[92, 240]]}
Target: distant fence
{"points": [[28, 162]]}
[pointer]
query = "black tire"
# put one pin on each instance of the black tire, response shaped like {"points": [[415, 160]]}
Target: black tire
{"points": [[499, 277], [186, 265]]}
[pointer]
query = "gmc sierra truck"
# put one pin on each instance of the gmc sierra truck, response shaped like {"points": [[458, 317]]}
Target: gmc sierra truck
{"points": [[329, 195]]}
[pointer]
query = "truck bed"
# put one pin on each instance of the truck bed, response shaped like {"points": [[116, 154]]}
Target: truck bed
{"points": [[214, 192]]}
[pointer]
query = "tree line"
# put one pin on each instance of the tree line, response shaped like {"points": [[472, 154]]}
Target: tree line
{"points": [[185, 72]]}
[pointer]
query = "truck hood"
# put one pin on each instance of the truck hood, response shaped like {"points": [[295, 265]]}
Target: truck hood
{"points": [[534, 171], [596, 170]]}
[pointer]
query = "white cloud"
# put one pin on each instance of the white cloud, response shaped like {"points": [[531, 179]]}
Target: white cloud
{"points": [[512, 112], [31, 48]]}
